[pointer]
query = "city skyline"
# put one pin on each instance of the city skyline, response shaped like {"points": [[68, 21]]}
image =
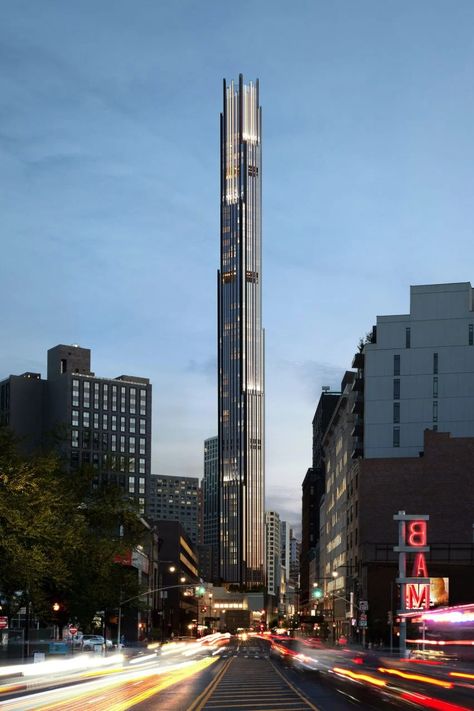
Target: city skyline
{"points": [[109, 167]]}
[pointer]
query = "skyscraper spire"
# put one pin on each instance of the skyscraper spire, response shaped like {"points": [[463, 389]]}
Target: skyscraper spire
{"points": [[241, 341]]}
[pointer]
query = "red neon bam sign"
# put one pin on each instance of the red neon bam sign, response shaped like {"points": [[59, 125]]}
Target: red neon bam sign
{"points": [[413, 540], [417, 595]]}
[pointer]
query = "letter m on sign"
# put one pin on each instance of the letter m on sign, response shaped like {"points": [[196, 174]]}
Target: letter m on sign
{"points": [[417, 596]]}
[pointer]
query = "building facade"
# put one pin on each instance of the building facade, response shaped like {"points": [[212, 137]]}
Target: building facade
{"points": [[403, 441], [176, 498], [210, 493], [419, 372], [101, 422], [273, 552], [312, 492], [241, 342]]}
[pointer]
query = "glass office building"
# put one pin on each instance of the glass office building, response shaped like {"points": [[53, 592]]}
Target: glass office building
{"points": [[241, 341]]}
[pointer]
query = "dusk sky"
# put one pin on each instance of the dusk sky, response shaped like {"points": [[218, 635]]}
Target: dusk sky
{"points": [[109, 201]]}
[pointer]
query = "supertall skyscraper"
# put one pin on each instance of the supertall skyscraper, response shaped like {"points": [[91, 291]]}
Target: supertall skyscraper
{"points": [[241, 341]]}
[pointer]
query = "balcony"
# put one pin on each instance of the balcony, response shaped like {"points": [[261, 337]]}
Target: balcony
{"points": [[358, 405], [358, 360]]}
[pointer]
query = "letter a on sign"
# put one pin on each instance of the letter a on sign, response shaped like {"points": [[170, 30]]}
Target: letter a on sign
{"points": [[416, 533], [419, 566]]}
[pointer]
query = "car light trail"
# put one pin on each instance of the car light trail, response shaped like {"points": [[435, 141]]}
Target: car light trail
{"points": [[431, 703], [417, 677], [359, 677]]}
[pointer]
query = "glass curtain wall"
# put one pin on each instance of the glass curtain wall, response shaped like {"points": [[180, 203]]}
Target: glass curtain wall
{"points": [[241, 341]]}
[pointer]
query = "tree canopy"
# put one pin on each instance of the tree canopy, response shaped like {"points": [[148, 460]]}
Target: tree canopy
{"points": [[60, 538]]}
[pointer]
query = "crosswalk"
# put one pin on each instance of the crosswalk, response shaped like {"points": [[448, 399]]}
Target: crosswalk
{"points": [[251, 683]]}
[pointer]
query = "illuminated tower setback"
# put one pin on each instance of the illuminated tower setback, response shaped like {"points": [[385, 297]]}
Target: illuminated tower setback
{"points": [[241, 342]]}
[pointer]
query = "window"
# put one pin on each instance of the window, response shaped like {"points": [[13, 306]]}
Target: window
{"points": [[131, 484], [75, 418], [105, 441], [131, 464], [435, 386], [122, 399], [63, 367], [141, 465], [105, 396], [96, 420], [86, 439], [75, 438], [86, 418], [396, 412], [133, 401], [142, 445], [131, 445], [96, 396], [113, 445], [122, 443], [435, 411], [396, 389], [471, 334], [142, 426], [396, 436], [132, 425], [104, 422], [407, 338], [396, 365], [87, 393], [114, 398], [75, 393], [435, 363], [141, 485], [142, 402], [114, 423], [123, 424]]}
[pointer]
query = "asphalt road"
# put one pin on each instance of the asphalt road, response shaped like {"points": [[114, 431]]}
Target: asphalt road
{"points": [[246, 675]]}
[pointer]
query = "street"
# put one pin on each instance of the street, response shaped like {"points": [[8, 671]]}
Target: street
{"points": [[246, 673]]}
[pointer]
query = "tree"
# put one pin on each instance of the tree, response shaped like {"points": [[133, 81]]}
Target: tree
{"points": [[60, 537]]}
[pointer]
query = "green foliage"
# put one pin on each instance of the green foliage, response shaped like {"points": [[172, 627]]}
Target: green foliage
{"points": [[60, 538]]}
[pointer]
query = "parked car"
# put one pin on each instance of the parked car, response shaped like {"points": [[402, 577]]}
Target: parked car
{"points": [[90, 642]]}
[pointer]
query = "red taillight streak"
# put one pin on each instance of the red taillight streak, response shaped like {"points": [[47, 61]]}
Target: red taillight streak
{"points": [[431, 703]]}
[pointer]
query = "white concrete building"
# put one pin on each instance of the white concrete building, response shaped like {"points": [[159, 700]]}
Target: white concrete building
{"points": [[419, 372]]}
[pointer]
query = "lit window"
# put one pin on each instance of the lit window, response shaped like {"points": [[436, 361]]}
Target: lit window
{"points": [[75, 418]]}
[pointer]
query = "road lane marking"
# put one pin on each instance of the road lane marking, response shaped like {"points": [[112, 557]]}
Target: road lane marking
{"points": [[197, 705]]}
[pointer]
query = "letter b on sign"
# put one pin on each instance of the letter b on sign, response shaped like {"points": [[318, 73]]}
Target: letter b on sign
{"points": [[416, 533]]}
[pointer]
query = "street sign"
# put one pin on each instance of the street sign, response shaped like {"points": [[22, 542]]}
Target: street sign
{"points": [[363, 605], [73, 631], [3, 623], [362, 620]]}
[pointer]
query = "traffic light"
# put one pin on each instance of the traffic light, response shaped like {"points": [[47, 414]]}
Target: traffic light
{"points": [[317, 593], [200, 590]]}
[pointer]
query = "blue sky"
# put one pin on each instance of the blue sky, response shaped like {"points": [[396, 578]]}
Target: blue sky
{"points": [[109, 201]]}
